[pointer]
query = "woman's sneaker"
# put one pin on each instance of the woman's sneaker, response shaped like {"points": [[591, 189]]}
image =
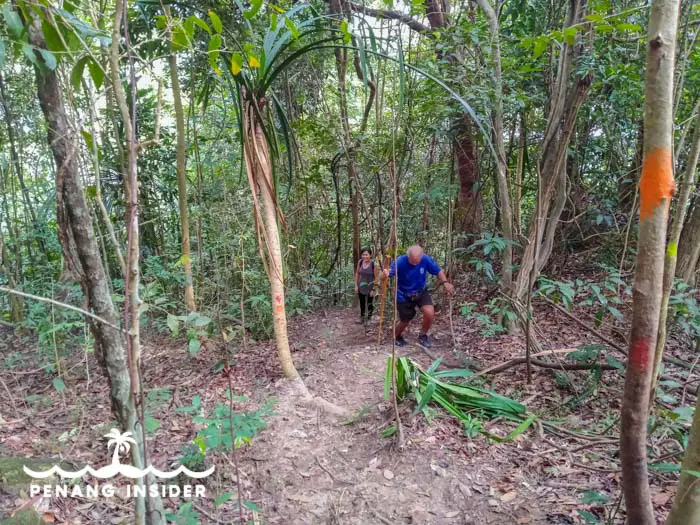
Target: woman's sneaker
{"points": [[400, 341], [424, 341]]}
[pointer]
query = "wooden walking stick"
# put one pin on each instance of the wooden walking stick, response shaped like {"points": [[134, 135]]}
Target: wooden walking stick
{"points": [[382, 298]]}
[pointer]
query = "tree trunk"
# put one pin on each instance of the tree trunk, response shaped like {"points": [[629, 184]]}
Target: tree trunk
{"points": [[655, 190], [259, 170], [469, 205], [341, 63], [501, 163], [686, 504], [181, 163], [518, 183], [672, 251], [98, 183], [689, 246], [17, 165], [565, 103], [150, 509], [109, 343], [16, 305], [11, 271]]}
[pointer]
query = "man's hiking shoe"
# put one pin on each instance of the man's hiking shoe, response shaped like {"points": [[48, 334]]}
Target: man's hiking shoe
{"points": [[400, 341], [424, 341]]}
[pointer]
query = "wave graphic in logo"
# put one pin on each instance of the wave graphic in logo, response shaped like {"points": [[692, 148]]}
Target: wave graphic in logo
{"points": [[121, 444]]}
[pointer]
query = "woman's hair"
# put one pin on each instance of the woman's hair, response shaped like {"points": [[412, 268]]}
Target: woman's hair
{"points": [[366, 249]]}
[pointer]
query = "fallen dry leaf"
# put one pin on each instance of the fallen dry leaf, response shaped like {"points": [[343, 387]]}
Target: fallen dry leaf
{"points": [[661, 498], [509, 496]]}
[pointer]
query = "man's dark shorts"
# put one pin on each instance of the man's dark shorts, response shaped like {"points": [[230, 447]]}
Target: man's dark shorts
{"points": [[407, 310]]}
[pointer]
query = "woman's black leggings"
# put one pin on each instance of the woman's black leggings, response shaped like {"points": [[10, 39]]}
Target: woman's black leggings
{"points": [[366, 305]]}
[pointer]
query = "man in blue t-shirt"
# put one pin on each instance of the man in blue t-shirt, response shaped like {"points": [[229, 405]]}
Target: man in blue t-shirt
{"points": [[412, 291]]}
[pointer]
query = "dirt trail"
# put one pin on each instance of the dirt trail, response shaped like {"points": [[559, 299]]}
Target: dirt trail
{"points": [[308, 469]]}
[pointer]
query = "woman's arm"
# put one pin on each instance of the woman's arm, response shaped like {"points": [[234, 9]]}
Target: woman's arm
{"points": [[357, 278]]}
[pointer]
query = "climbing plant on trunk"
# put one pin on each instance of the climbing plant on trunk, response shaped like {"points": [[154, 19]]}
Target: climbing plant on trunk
{"points": [[181, 169], [655, 191]]}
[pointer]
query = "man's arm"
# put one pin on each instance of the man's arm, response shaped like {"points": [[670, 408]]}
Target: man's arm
{"points": [[449, 288], [435, 269]]}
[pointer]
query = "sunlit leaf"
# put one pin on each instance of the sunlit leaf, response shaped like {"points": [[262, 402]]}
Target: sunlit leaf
{"points": [[253, 61], [216, 22], [255, 6], [236, 63]]}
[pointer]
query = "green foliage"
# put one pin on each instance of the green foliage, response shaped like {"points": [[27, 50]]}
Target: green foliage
{"points": [[605, 295], [491, 246], [185, 515], [675, 424], [195, 325], [495, 308], [684, 309], [463, 402], [215, 432]]}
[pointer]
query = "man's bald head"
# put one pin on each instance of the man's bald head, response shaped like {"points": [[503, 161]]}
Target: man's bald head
{"points": [[415, 254]]}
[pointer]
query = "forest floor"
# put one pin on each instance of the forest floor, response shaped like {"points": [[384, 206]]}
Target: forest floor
{"points": [[306, 467]]}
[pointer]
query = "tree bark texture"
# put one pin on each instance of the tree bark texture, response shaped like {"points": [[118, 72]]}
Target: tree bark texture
{"points": [[689, 246], [181, 168], [656, 187], [567, 97], [672, 251], [259, 170]]}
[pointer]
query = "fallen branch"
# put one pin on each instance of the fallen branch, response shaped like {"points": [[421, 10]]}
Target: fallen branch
{"points": [[545, 364], [392, 15], [602, 337], [519, 360], [62, 305]]}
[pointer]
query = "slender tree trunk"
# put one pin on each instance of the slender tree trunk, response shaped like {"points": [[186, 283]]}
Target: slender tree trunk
{"points": [[469, 205], [501, 162], [11, 271], [518, 183], [98, 183], [16, 305], [259, 170], [181, 168], [109, 343], [672, 251], [686, 504], [17, 164], [341, 62], [689, 247], [150, 509], [656, 189], [565, 102]]}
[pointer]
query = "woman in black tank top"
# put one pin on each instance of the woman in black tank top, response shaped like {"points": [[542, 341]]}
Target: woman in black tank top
{"points": [[366, 279]]}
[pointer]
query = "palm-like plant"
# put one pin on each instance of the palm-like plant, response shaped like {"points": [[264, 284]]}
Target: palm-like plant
{"points": [[249, 70]]}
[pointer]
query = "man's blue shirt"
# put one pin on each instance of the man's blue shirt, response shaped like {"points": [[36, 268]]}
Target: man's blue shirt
{"points": [[412, 279]]}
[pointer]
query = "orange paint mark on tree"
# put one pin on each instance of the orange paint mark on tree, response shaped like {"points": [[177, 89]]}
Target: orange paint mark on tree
{"points": [[279, 308], [640, 354], [656, 182]]}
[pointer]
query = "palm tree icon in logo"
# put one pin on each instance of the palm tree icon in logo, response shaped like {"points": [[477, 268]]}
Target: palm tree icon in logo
{"points": [[121, 443]]}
